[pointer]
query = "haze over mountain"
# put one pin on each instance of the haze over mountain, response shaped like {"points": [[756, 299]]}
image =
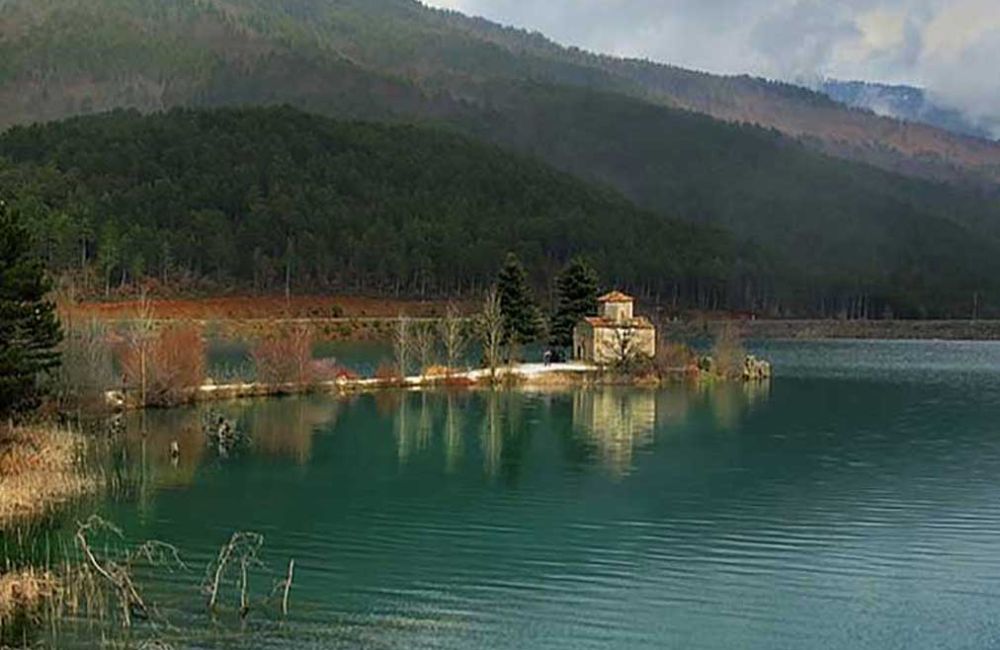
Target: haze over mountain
{"points": [[903, 103], [949, 48], [818, 232]]}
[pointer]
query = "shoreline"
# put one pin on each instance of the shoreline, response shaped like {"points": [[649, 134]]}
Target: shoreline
{"points": [[525, 376]]}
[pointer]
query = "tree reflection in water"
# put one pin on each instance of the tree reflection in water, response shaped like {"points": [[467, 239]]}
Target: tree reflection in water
{"points": [[145, 459], [285, 427], [454, 434], [610, 427]]}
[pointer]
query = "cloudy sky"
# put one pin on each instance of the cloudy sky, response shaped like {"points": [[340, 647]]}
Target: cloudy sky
{"points": [[950, 47]]}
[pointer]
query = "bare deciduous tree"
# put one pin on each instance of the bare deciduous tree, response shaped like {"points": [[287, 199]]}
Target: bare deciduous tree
{"points": [[424, 343], [451, 329], [139, 343], [622, 348], [285, 357], [402, 343], [490, 326], [87, 368]]}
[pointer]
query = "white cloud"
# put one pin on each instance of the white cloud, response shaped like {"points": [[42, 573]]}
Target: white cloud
{"points": [[951, 47]]}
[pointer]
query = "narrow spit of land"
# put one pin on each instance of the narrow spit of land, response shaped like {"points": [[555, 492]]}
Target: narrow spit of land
{"points": [[524, 375]]}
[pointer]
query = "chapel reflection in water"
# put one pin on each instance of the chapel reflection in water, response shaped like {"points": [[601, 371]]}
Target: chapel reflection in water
{"points": [[615, 425], [616, 422]]}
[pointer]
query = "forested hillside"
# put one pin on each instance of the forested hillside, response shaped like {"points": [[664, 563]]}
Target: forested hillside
{"points": [[394, 57], [813, 233], [266, 199]]}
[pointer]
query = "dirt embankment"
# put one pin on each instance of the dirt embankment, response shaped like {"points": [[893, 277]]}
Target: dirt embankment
{"points": [[360, 318], [265, 307]]}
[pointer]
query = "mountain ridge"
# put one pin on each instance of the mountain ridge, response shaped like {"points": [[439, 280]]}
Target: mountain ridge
{"points": [[827, 229], [442, 52]]}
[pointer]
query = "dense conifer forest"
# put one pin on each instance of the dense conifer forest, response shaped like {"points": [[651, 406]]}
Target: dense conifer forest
{"points": [[274, 199], [268, 199]]}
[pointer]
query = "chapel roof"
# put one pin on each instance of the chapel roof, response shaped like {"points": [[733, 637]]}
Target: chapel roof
{"points": [[616, 296], [639, 323]]}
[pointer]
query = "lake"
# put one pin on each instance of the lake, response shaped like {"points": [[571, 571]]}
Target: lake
{"points": [[854, 502]]}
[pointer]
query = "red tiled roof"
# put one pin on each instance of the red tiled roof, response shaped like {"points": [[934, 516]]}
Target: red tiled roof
{"points": [[616, 296]]}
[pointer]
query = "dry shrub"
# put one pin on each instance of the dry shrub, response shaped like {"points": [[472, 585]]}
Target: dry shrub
{"points": [[347, 373], [285, 357], [728, 352], [388, 372], [458, 381], [167, 366], [439, 371], [673, 356], [329, 370], [179, 360], [39, 470], [87, 368]]}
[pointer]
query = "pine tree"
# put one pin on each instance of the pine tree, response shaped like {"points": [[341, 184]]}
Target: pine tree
{"points": [[522, 321], [29, 331], [577, 291]]}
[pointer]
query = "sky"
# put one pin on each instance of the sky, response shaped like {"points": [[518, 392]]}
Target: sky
{"points": [[949, 47]]}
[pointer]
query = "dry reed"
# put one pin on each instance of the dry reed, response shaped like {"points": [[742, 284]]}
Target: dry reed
{"points": [[285, 357], [40, 468], [25, 591], [728, 353], [167, 367]]}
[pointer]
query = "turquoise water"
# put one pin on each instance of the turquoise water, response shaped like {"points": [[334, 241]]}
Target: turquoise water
{"points": [[852, 503]]}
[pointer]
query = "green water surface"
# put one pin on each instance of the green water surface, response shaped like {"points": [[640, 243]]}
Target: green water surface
{"points": [[854, 502]]}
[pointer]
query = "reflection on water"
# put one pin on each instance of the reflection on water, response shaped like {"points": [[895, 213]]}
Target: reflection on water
{"points": [[703, 517], [617, 422], [610, 426], [285, 428], [165, 448]]}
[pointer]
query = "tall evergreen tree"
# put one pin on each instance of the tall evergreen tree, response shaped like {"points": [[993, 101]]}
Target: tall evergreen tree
{"points": [[576, 290], [522, 320], [29, 331]]}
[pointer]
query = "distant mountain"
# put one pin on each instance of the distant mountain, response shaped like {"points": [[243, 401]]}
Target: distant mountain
{"points": [[902, 102], [394, 57], [762, 160]]}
